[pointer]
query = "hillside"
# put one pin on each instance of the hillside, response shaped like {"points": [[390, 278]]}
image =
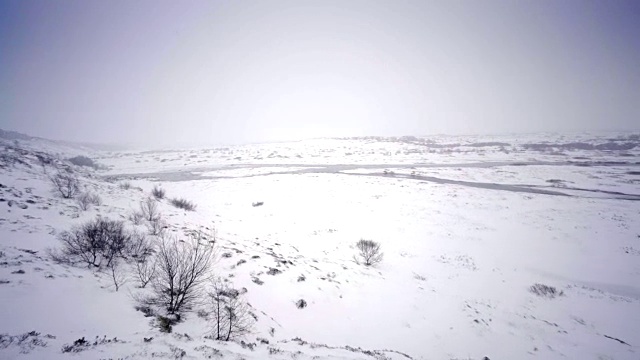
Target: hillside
{"points": [[500, 247]]}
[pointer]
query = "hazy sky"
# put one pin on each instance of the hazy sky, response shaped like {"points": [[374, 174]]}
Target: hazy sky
{"points": [[244, 71]]}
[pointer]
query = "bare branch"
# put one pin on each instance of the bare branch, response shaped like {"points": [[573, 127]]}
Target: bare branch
{"points": [[66, 184], [149, 209], [229, 313], [182, 268], [369, 252], [118, 277]]}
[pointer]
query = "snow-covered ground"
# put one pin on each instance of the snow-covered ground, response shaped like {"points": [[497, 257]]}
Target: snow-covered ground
{"points": [[467, 225]]}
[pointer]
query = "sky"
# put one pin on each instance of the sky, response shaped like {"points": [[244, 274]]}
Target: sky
{"points": [[226, 72]]}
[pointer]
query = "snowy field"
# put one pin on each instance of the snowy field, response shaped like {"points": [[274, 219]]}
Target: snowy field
{"points": [[468, 225]]}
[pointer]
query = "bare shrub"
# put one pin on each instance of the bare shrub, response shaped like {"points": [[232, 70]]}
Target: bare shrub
{"points": [[158, 192], [144, 304], [66, 184], [149, 209], [125, 185], [86, 199], [94, 243], [139, 247], [207, 235], [183, 204], [136, 218], [301, 304], [59, 256], [45, 160], [545, 291], [145, 271], [95, 199], [83, 201], [140, 250], [157, 226], [182, 269], [117, 275], [77, 246], [229, 314], [369, 252]]}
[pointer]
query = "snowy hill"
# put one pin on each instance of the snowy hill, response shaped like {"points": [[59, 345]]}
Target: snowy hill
{"points": [[504, 247]]}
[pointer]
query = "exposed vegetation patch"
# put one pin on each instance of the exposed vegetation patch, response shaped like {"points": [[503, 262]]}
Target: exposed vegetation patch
{"points": [[81, 160], [82, 344], [301, 304], [183, 204], [158, 192], [545, 291], [26, 342]]}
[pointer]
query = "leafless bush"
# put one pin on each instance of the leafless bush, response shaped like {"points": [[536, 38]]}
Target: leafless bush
{"points": [[66, 184], [144, 304], [45, 160], [149, 209], [141, 251], [86, 199], [183, 204], [83, 201], [182, 269], [136, 218], [125, 185], [158, 192], [545, 291], [145, 271], [157, 226], [94, 243], [95, 199], [139, 247], [117, 275], [369, 252], [59, 256], [206, 235], [229, 314]]}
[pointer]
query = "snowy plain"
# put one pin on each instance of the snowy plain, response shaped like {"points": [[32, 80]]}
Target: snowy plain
{"points": [[467, 226]]}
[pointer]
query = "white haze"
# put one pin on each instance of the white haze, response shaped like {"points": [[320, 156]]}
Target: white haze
{"points": [[241, 71]]}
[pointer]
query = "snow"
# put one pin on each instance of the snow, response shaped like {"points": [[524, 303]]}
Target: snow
{"points": [[466, 231]]}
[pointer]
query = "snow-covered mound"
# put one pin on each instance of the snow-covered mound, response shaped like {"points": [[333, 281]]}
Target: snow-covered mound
{"points": [[498, 247]]}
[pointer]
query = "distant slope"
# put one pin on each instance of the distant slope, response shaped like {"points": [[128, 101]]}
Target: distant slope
{"points": [[13, 135], [56, 146]]}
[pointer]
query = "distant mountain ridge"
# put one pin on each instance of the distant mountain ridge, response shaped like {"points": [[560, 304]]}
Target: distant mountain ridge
{"points": [[14, 135], [606, 141], [10, 135]]}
